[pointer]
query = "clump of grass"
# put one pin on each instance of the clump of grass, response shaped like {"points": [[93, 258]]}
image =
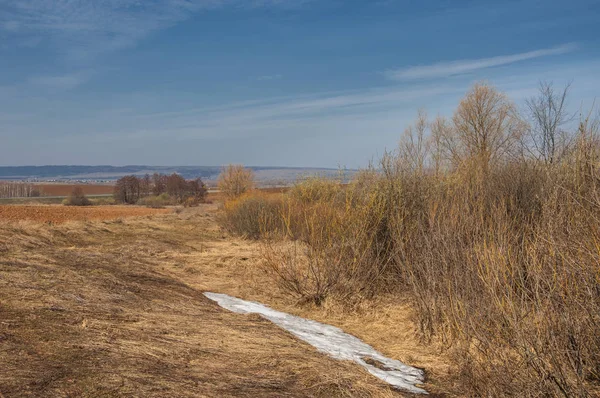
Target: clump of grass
{"points": [[156, 202], [105, 201]]}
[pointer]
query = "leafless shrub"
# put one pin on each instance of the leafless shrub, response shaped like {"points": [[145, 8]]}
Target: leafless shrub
{"points": [[77, 198], [235, 180], [254, 215], [547, 138], [156, 202], [497, 250]]}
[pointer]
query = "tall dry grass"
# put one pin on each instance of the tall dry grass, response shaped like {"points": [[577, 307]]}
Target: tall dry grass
{"points": [[498, 252]]}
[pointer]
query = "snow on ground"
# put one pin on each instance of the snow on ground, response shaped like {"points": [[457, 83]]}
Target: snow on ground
{"points": [[332, 341]]}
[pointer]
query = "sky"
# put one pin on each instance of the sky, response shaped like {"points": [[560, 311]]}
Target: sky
{"points": [[300, 83]]}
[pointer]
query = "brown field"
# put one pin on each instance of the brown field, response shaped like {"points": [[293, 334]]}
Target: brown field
{"points": [[66, 189], [61, 214], [115, 308]]}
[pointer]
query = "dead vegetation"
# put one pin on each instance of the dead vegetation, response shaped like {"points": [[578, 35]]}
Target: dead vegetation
{"points": [[496, 249], [77, 198], [235, 180], [114, 308]]}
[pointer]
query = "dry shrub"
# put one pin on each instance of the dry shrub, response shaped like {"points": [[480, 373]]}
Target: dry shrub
{"points": [[502, 264], [191, 202], [504, 270], [77, 198], [156, 202], [315, 189], [235, 180], [337, 246], [499, 252], [254, 215]]}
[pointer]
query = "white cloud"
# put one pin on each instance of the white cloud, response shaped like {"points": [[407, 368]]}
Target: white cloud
{"points": [[446, 69], [85, 28]]}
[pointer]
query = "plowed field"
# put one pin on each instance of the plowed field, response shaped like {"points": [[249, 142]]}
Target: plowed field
{"points": [[60, 214], [66, 189]]}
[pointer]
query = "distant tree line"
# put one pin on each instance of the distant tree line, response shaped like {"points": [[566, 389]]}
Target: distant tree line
{"points": [[18, 190], [130, 189]]}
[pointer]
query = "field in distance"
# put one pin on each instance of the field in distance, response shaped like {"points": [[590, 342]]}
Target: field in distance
{"points": [[66, 189], [60, 214]]}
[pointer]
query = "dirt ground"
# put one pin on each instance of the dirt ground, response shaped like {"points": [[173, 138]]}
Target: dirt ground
{"points": [[61, 214], [115, 308]]}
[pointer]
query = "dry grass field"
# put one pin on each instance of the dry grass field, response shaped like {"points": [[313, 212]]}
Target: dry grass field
{"points": [[61, 214], [115, 308]]}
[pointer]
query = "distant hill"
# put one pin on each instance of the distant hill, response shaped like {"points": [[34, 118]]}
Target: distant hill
{"points": [[264, 175]]}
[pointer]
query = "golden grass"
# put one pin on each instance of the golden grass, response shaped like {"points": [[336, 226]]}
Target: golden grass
{"points": [[114, 308]]}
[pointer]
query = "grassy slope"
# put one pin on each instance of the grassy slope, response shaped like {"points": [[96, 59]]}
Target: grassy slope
{"points": [[115, 309]]}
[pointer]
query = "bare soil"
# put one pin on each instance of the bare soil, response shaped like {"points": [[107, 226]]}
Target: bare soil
{"points": [[61, 214], [66, 189]]}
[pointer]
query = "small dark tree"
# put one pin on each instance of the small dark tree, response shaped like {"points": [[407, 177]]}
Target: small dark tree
{"points": [[176, 187], [196, 189], [146, 185], [127, 190], [159, 184], [77, 198]]}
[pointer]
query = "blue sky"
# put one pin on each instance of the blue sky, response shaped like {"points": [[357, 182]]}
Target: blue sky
{"points": [[321, 83]]}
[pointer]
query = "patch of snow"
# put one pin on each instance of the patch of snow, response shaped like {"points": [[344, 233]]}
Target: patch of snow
{"points": [[332, 341]]}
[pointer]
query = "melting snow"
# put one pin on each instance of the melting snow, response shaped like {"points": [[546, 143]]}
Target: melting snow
{"points": [[332, 341]]}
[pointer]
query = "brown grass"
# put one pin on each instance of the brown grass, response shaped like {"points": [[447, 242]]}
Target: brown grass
{"points": [[61, 214], [66, 189], [114, 308]]}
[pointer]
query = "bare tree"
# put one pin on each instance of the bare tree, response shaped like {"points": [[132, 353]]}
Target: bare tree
{"points": [[159, 184], [413, 145], [441, 144], [235, 180], [127, 190], [176, 187], [547, 113], [197, 189], [18, 190], [145, 185], [487, 126]]}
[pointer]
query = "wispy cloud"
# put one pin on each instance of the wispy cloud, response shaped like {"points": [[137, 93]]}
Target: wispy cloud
{"points": [[85, 28], [61, 82], [269, 77], [452, 68]]}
